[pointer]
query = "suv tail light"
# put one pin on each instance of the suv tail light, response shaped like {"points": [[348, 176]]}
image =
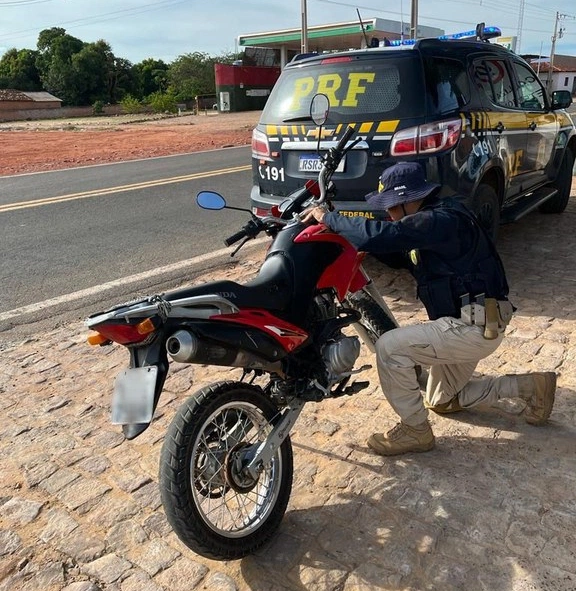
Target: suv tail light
{"points": [[260, 146], [426, 139]]}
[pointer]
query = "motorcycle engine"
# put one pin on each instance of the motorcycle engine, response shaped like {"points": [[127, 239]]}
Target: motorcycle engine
{"points": [[340, 355]]}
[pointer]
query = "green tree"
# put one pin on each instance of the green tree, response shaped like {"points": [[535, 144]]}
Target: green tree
{"points": [[150, 76], [18, 70], [190, 75], [121, 80], [90, 69], [54, 63]]}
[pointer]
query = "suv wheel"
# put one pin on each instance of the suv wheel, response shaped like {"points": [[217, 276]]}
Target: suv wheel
{"points": [[486, 205], [563, 184]]}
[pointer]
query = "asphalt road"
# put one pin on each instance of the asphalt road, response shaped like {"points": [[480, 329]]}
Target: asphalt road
{"points": [[71, 230]]}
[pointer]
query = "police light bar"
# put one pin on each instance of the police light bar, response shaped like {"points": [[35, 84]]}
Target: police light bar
{"points": [[487, 33]]}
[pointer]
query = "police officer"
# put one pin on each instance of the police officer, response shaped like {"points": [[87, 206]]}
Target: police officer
{"points": [[462, 284]]}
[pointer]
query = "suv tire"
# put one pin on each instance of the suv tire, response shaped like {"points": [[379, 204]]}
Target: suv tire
{"points": [[486, 206], [563, 183]]}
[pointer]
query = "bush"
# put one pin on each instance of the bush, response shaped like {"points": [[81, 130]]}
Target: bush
{"points": [[131, 105], [98, 108], [162, 102]]}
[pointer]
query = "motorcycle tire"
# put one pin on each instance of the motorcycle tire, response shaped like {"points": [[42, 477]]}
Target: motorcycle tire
{"points": [[213, 507], [374, 319]]}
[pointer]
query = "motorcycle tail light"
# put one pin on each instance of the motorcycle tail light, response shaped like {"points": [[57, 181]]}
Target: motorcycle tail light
{"points": [[426, 139], [260, 146], [124, 334]]}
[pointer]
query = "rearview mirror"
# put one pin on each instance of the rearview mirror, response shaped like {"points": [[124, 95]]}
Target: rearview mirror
{"points": [[561, 99], [319, 109], [210, 200]]}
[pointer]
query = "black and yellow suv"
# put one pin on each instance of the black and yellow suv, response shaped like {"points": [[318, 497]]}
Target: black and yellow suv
{"points": [[472, 112]]}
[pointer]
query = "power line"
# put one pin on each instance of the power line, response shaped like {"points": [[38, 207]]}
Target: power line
{"points": [[107, 16]]}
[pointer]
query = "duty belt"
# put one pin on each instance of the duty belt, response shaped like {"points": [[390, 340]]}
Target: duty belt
{"points": [[490, 313]]}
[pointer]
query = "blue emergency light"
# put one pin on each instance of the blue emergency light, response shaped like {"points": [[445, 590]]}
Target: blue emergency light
{"points": [[487, 33]]}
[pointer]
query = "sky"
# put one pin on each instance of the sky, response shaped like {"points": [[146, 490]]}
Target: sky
{"points": [[166, 29]]}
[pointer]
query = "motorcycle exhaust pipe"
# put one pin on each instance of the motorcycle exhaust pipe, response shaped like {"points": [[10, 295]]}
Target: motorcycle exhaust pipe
{"points": [[185, 347], [182, 346]]}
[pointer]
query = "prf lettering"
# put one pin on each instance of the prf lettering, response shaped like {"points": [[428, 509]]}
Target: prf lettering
{"points": [[340, 92], [515, 163], [358, 214]]}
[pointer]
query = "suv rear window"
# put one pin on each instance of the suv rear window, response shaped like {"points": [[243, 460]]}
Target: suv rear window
{"points": [[358, 89]]}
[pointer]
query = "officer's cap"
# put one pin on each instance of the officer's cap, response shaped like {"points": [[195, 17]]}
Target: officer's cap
{"points": [[401, 183]]}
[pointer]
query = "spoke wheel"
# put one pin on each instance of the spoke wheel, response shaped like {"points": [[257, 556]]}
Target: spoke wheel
{"points": [[213, 504]]}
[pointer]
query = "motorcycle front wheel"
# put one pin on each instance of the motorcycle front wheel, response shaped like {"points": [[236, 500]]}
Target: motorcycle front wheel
{"points": [[214, 507], [374, 319]]}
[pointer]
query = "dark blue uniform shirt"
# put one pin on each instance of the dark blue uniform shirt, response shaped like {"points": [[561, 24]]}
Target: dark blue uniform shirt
{"points": [[451, 255]]}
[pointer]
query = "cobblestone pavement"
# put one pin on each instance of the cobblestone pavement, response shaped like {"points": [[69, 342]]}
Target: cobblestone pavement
{"points": [[492, 508]]}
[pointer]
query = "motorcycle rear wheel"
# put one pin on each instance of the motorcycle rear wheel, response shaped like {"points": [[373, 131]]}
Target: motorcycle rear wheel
{"points": [[214, 508]]}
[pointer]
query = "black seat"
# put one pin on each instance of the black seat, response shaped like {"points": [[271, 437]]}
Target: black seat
{"points": [[270, 290]]}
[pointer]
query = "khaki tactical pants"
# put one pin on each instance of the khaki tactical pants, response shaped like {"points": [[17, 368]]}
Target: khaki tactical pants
{"points": [[452, 350]]}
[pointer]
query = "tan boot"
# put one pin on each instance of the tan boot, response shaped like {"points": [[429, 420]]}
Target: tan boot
{"points": [[537, 389], [403, 439]]}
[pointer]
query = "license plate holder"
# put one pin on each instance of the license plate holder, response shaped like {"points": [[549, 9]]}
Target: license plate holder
{"points": [[313, 163], [133, 397]]}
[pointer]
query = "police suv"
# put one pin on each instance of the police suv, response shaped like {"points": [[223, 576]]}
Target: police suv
{"points": [[473, 113]]}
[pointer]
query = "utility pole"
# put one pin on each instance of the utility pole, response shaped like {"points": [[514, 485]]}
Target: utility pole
{"points": [[558, 34], [304, 44], [414, 20], [520, 23]]}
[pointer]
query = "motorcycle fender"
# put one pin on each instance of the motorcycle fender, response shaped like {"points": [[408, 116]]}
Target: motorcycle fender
{"points": [[359, 280], [151, 356]]}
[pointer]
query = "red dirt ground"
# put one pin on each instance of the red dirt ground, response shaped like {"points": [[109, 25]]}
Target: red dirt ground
{"points": [[33, 146]]}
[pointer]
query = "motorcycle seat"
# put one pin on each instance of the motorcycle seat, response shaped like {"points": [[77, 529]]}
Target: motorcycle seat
{"points": [[271, 289]]}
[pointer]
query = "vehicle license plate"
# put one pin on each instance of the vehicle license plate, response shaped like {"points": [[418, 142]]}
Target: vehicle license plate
{"points": [[133, 397], [313, 163]]}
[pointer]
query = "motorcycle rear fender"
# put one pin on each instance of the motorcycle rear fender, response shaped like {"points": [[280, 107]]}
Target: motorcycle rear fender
{"points": [[153, 354]]}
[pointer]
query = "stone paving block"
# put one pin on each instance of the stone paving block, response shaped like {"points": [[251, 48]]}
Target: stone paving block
{"points": [[154, 556], [59, 525], [20, 511], [82, 492], [139, 581], [80, 545], [10, 542], [125, 535], [59, 480], [183, 575], [107, 569]]}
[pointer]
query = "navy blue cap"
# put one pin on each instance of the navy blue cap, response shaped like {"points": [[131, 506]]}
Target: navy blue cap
{"points": [[402, 182]]}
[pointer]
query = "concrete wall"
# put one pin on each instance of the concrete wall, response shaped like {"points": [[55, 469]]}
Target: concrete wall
{"points": [[25, 105], [64, 112]]}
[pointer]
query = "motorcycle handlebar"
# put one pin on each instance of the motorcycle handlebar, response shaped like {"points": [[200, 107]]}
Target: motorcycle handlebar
{"points": [[235, 237], [344, 139]]}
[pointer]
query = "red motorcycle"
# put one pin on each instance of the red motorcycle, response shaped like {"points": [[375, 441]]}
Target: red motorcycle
{"points": [[226, 464]]}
